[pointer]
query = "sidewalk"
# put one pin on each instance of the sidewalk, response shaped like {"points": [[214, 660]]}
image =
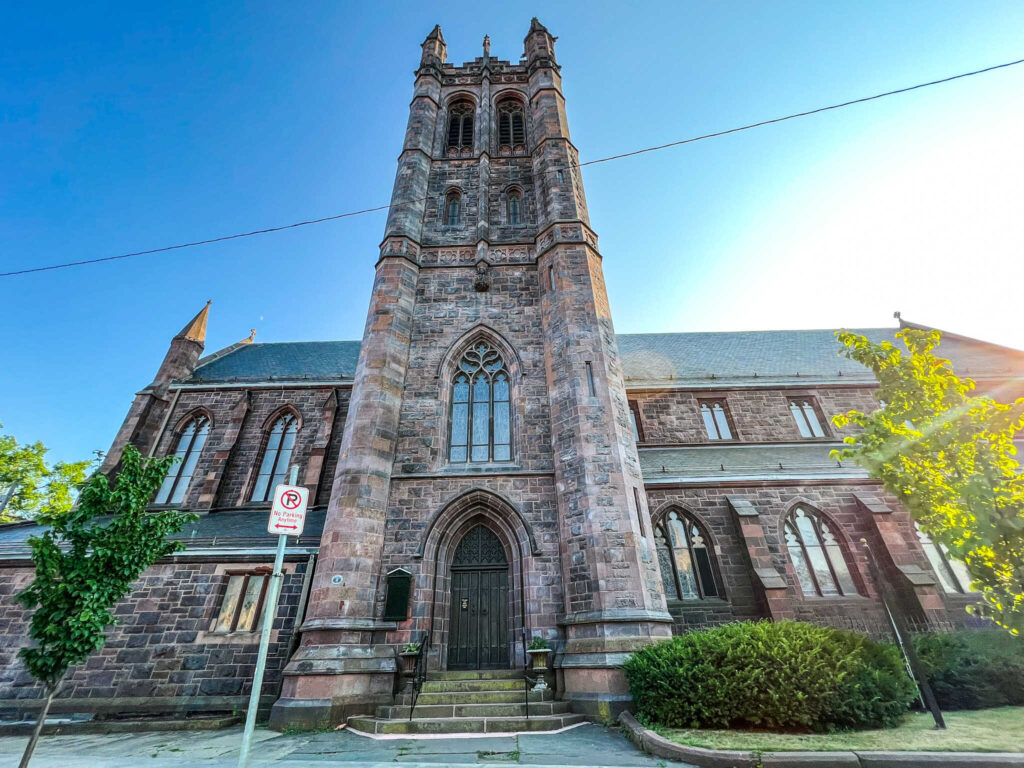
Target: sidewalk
{"points": [[585, 745]]}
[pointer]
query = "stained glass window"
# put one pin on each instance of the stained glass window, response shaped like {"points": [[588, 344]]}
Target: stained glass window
{"points": [[687, 564], [277, 456], [817, 558], [190, 446], [453, 209], [481, 419]]}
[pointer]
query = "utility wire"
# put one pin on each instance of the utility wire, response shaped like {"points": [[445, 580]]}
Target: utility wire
{"points": [[576, 165]]}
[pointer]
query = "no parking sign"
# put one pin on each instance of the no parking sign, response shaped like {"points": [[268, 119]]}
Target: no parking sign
{"points": [[288, 513]]}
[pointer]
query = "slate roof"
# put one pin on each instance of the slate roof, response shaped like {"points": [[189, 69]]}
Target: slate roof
{"points": [[294, 360], [747, 462], [236, 528], [649, 359]]}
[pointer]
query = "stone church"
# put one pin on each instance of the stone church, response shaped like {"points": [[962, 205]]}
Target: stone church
{"points": [[490, 464]]}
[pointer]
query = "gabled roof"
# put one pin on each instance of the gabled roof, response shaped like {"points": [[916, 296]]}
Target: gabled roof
{"points": [[786, 358]]}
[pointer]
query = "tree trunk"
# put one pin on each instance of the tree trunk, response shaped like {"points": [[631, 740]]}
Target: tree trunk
{"points": [[38, 729]]}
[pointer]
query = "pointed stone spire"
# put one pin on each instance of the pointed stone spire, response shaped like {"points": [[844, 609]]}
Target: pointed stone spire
{"points": [[487, 46], [536, 26], [435, 50], [195, 330]]}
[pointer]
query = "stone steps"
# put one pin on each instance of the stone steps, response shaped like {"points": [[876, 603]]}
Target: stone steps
{"points": [[475, 710], [472, 701], [455, 725], [460, 686], [482, 697]]}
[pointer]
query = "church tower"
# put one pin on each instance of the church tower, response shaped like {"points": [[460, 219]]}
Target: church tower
{"points": [[488, 462]]}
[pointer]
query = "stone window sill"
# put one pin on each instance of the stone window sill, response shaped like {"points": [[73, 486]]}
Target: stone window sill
{"points": [[697, 602]]}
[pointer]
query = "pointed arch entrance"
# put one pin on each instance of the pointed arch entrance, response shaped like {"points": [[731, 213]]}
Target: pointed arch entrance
{"points": [[478, 624]]}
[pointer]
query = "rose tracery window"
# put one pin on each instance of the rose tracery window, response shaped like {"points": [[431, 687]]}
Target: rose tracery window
{"points": [[481, 428], [687, 566], [816, 555]]}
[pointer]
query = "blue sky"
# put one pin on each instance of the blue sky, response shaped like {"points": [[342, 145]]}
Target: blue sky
{"points": [[127, 126]]}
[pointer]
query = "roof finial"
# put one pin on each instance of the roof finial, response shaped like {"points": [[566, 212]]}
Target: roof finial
{"points": [[252, 337], [896, 314], [487, 46]]}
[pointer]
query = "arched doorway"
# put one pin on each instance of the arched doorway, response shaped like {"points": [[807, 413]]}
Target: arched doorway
{"points": [[479, 630]]}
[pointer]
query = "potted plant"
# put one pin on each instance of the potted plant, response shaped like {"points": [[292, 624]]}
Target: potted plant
{"points": [[539, 650]]}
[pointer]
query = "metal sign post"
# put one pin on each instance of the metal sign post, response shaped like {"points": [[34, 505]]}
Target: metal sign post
{"points": [[287, 517]]}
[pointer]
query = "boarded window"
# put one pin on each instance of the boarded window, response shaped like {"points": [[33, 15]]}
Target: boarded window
{"points": [[242, 604], [396, 598]]}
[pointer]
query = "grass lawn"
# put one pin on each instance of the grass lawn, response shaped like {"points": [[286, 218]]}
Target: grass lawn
{"points": [[986, 730]]}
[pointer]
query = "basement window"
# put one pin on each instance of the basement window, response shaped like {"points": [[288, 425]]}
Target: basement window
{"points": [[242, 604]]}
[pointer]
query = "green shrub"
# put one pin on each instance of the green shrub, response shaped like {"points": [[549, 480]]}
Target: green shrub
{"points": [[781, 675], [973, 669]]}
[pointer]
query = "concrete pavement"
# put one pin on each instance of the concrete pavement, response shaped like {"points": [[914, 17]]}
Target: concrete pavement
{"points": [[585, 745]]}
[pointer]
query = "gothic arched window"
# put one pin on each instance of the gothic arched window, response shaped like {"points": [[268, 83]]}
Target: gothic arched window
{"points": [[190, 445], [481, 428], [816, 555], [452, 209], [460, 125], [277, 456], [511, 125], [952, 573], [515, 207], [684, 554]]}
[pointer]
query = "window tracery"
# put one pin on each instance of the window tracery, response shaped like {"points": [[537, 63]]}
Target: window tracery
{"points": [[277, 457], [179, 476], [511, 126], [481, 428], [688, 569], [817, 558], [460, 126]]}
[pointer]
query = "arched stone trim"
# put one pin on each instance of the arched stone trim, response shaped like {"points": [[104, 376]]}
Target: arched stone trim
{"points": [[475, 497], [268, 423], [181, 423], [460, 95], [446, 366], [508, 93], [445, 530]]}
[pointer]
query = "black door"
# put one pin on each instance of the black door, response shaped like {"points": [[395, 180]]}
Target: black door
{"points": [[479, 633]]}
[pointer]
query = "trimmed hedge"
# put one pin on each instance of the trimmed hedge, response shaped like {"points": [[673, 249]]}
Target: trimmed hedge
{"points": [[777, 675], [973, 669]]}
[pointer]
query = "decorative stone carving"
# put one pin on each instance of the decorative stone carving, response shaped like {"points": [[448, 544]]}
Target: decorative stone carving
{"points": [[482, 279]]}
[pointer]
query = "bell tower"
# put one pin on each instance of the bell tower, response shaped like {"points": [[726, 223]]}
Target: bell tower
{"points": [[488, 392]]}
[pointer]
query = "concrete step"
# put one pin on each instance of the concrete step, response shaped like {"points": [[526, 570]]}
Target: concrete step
{"points": [[456, 725], [482, 697], [474, 710], [452, 686], [476, 674]]}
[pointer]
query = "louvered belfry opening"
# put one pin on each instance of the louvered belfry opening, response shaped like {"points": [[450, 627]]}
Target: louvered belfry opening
{"points": [[511, 126], [460, 126], [478, 635]]}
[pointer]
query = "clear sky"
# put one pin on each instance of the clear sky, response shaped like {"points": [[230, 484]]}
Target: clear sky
{"points": [[127, 126]]}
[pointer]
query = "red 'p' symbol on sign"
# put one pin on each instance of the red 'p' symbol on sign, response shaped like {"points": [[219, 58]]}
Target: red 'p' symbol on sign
{"points": [[291, 499]]}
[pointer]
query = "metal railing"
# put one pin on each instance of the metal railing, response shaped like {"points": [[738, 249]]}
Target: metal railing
{"points": [[528, 681], [419, 674]]}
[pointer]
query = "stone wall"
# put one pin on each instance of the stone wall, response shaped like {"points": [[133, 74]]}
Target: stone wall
{"points": [[758, 415], [162, 654]]}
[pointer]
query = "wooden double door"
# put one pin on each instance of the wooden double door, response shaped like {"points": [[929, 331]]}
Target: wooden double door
{"points": [[478, 635]]}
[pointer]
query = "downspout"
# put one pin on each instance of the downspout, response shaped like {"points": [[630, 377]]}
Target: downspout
{"points": [[300, 611]]}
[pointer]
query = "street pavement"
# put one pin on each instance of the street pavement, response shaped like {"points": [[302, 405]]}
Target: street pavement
{"points": [[585, 745]]}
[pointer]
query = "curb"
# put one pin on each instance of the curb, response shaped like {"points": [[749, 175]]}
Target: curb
{"points": [[653, 744]]}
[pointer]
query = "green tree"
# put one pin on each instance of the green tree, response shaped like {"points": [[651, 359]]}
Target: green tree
{"points": [[31, 488], [86, 562], [948, 454]]}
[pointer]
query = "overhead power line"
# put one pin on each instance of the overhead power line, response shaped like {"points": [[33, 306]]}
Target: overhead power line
{"points": [[620, 156]]}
